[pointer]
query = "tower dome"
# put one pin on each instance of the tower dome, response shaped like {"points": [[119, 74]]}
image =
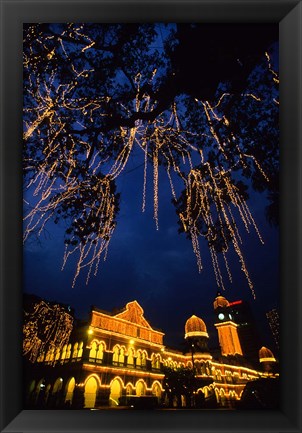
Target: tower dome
{"points": [[220, 301], [266, 355], [195, 327]]}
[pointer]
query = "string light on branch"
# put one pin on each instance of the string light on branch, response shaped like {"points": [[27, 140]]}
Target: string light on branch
{"points": [[46, 328], [81, 129]]}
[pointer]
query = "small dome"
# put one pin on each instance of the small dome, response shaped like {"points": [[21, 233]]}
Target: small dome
{"points": [[220, 301], [266, 355], [195, 327]]}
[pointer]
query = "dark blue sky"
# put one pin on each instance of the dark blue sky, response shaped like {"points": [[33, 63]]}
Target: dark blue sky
{"points": [[157, 268]]}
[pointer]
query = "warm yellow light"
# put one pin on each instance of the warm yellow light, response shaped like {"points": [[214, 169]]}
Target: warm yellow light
{"points": [[131, 341], [90, 331]]}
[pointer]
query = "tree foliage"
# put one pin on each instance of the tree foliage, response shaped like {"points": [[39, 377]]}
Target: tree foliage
{"points": [[198, 101]]}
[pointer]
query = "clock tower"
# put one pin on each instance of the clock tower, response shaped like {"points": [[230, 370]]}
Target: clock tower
{"points": [[226, 327]]}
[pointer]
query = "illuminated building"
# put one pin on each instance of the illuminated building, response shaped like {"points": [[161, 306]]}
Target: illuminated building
{"points": [[226, 327], [274, 323], [116, 357], [267, 359]]}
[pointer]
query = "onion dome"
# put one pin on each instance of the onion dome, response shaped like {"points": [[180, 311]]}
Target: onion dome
{"points": [[266, 355], [195, 327], [220, 301]]}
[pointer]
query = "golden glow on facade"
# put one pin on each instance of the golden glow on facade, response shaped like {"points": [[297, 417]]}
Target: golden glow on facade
{"points": [[108, 367], [228, 338], [195, 327], [129, 323]]}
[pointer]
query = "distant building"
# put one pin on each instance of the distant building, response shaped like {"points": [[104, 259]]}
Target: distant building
{"points": [[247, 329], [117, 357], [274, 323]]}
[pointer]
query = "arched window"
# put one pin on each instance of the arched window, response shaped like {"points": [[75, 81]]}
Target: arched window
{"points": [[157, 362], [47, 357], [130, 360], [139, 359], [122, 356], [64, 352], [40, 357], [116, 354], [144, 360], [75, 350], [153, 361], [58, 353], [100, 353], [93, 351], [222, 397], [52, 354], [68, 352], [80, 350], [229, 377]]}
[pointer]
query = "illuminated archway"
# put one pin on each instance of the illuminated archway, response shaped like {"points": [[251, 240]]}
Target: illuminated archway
{"points": [[69, 390], [100, 352], [129, 389], [156, 390], [222, 397], [140, 388], [217, 395], [115, 392], [93, 350], [55, 393], [75, 350], [91, 387], [130, 360], [57, 385]]}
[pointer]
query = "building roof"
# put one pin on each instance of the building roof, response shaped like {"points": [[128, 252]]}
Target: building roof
{"points": [[195, 327], [220, 301], [266, 355]]}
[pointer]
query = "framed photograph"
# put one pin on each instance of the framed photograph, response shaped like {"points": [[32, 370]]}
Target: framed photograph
{"points": [[151, 208]]}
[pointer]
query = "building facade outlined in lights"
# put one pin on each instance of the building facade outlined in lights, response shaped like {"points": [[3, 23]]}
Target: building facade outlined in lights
{"points": [[117, 356]]}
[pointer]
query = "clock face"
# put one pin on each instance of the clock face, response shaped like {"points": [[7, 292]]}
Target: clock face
{"points": [[221, 316]]}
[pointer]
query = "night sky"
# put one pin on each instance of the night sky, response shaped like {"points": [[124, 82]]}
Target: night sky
{"points": [[156, 268]]}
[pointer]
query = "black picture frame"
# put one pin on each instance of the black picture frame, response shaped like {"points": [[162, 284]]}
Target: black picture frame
{"points": [[13, 14]]}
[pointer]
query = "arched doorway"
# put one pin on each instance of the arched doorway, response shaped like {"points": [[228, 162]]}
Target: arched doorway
{"points": [[69, 391], [115, 392], [156, 390], [90, 393], [140, 388], [40, 393], [56, 392]]}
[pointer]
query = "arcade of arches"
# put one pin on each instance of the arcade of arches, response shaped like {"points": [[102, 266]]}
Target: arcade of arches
{"points": [[118, 357]]}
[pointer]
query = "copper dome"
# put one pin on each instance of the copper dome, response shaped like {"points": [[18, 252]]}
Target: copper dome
{"points": [[266, 355], [220, 301], [195, 327]]}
